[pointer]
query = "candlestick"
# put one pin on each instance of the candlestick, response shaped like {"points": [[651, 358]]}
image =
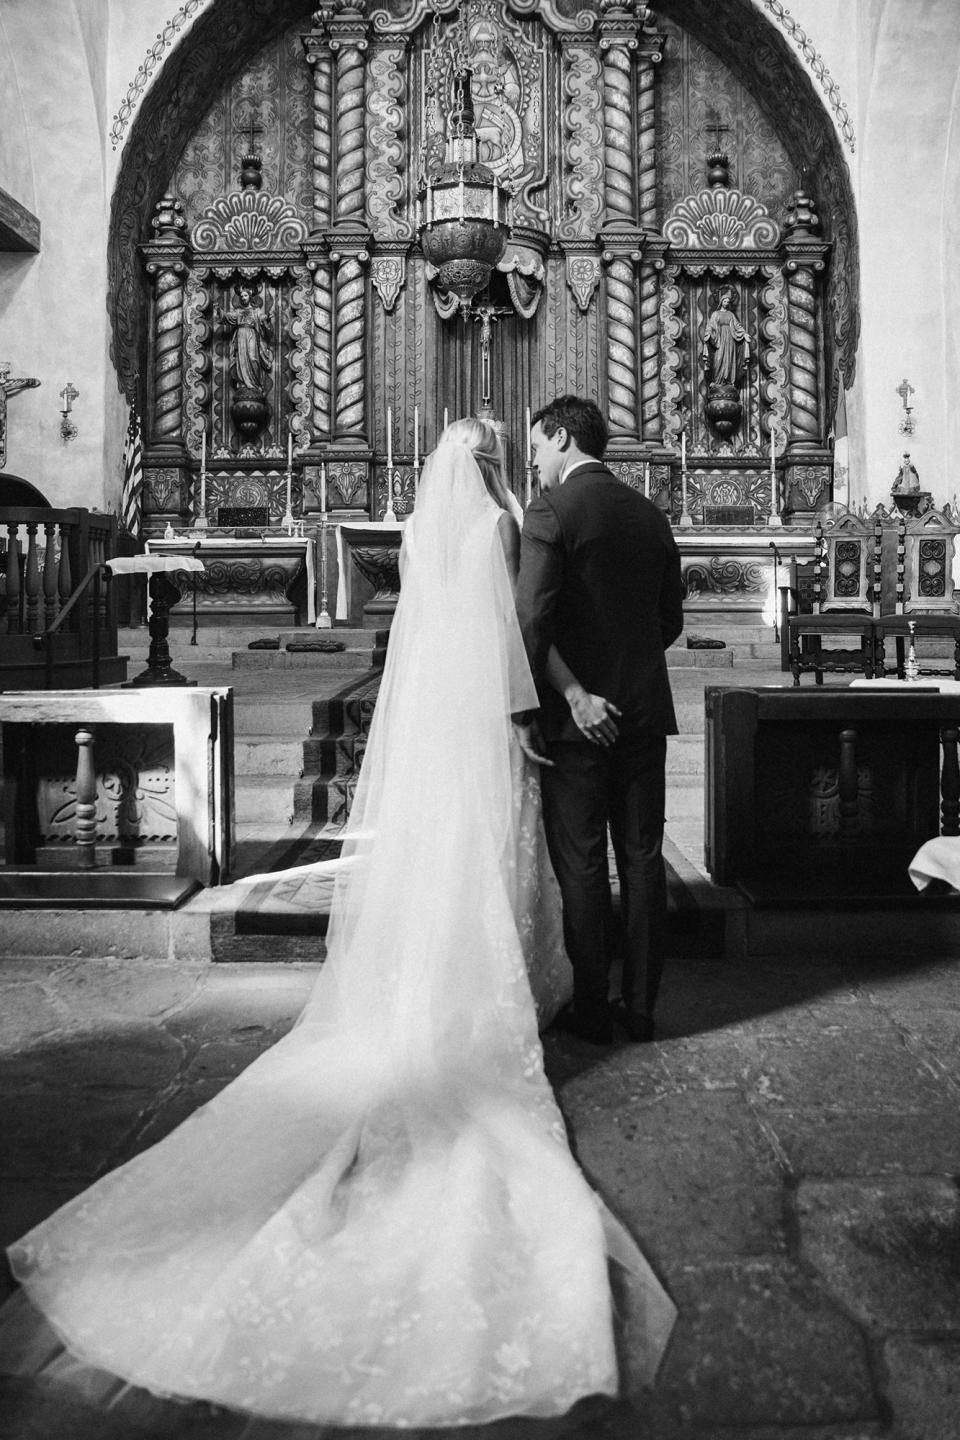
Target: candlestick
{"points": [[323, 621], [529, 440], [646, 479], [389, 439], [445, 420], [289, 450], [416, 436], [683, 450], [686, 519], [774, 521], [203, 451], [323, 487]]}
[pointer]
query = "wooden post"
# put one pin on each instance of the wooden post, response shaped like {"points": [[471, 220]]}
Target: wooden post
{"points": [[950, 782], [86, 821], [849, 814]]}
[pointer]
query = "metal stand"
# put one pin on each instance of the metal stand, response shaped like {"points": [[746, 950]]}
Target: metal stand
{"points": [[159, 669]]}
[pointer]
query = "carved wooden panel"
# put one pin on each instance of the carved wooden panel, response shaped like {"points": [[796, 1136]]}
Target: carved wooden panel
{"points": [[136, 800]]}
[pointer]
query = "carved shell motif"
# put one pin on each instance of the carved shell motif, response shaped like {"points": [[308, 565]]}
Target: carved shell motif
{"points": [[721, 219], [249, 220]]}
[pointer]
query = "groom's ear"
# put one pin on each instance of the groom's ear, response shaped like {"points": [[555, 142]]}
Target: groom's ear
{"points": [[563, 444]]}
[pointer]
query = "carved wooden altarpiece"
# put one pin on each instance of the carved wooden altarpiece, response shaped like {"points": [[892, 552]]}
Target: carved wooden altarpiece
{"points": [[631, 218]]}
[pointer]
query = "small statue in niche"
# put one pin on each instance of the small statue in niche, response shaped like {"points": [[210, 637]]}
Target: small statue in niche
{"points": [[908, 498], [724, 354], [251, 357], [908, 480]]}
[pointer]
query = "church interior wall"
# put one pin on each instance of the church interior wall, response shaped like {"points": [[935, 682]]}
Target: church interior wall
{"points": [[895, 67]]}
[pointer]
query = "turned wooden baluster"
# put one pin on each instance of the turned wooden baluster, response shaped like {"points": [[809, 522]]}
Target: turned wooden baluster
{"points": [[32, 578], [64, 571], [950, 782], [13, 581], [848, 787], [50, 598], [85, 825]]}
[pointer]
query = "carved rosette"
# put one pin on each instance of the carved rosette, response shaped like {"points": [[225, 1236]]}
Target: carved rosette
{"points": [[583, 274], [388, 273]]}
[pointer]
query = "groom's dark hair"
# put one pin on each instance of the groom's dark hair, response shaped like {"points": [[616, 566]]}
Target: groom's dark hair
{"points": [[581, 419]]}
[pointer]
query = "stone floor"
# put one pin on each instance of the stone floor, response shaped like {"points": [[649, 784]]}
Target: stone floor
{"points": [[786, 1152]]}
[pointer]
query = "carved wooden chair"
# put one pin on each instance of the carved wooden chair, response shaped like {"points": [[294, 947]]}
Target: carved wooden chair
{"points": [[846, 601], [925, 606]]}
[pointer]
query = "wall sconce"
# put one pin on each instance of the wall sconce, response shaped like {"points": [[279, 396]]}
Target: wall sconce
{"points": [[69, 393], [908, 425]]}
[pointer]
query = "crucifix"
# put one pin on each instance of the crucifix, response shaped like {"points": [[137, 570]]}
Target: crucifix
{"points": [[485, 316], [69, 393], [905, 390], [908, 424], [253, 129], [9, 387], [718, 130]]}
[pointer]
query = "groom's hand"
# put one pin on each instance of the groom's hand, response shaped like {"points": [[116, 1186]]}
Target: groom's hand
{"points": [[595, 717], [530, 741]]}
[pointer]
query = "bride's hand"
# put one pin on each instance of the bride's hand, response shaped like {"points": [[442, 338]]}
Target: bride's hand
{"points": [[595, 717], [531, 742]]}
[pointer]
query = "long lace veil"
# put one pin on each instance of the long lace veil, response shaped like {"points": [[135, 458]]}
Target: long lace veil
{"points": [[426, 849]]}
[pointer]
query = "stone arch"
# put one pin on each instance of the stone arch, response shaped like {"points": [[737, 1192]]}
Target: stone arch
{"points": [[230, 32]]}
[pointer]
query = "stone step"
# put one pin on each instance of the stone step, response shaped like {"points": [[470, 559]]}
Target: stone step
{"points": [[305, 659], [268, 798], [685, 798], [278, 717], [685, 758], [268, 755]]}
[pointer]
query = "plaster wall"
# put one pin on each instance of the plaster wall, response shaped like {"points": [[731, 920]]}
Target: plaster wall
{"points": [[896, 63]]}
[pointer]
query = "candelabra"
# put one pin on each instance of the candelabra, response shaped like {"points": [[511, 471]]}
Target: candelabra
{"points": [[323, 621], [911, 669]]}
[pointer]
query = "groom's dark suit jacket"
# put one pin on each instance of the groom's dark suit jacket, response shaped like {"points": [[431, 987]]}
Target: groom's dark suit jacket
{"points": [[600, 578]]}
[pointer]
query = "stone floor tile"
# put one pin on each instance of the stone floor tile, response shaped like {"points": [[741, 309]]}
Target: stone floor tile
{"points": [[59, 1134], [237, 998], [833, 1144], [888, 1249], [90, 989], [848, 1068], [118, 1053], [167, 1112], [691, 1175], [924, 1387], [28, 1014], [760, 1344]]}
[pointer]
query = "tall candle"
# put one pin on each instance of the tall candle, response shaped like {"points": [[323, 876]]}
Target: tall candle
{"points": [[529, 439], [445, 420], [289, 449], [646, 479], [389, 438], [323, 486], [683, 450], [203, 450], [416, 436], [773, 451]]}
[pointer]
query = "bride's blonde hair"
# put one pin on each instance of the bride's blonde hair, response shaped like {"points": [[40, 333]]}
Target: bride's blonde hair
{"points": [[482, 441]]}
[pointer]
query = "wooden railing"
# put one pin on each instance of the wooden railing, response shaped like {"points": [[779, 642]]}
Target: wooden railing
{"points": [[44, 556]]}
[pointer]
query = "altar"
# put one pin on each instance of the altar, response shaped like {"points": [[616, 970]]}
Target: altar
{"points": [[248, 578]]}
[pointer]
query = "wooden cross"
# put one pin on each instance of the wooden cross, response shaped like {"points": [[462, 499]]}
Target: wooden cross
{"points": [[905, 390], [253, 129], [718, 130]]}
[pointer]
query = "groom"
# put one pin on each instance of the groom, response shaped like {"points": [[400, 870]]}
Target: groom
{"points": [[600, 580]]}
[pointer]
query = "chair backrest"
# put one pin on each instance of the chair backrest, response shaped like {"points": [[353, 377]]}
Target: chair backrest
{"points": [[848, 559], [925, 550]]}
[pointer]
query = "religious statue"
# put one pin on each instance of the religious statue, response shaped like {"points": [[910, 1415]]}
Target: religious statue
{"points": [[724, 353], [9, 387], [250, 359], [250, 353], [908, 480], [722, 339]]}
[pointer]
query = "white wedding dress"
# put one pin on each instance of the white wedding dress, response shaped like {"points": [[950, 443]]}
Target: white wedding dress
{"points": [[380, 1222]]}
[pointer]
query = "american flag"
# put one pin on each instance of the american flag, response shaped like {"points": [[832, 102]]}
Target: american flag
{"points": [[131, 493]]}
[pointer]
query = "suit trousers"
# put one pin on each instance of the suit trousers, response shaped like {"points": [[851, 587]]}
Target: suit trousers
{"points": [[587, 788]]}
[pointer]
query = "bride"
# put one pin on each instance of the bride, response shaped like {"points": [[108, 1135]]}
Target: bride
{"points": [[380, 1222]]}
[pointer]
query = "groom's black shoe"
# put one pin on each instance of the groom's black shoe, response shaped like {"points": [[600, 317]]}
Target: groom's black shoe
{"points": [[638, 1027], [597, 1030]]}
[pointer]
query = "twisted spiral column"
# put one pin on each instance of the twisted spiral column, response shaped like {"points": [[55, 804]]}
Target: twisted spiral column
{"points": [[351, 71], [651, 428], [804, 390], [622, 351], [168, 364], [322, 138], [351, 347], [322, 347], [618, 152]]}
